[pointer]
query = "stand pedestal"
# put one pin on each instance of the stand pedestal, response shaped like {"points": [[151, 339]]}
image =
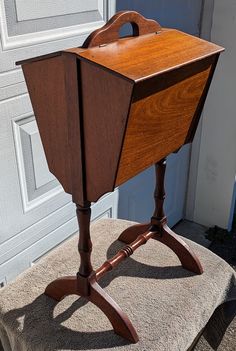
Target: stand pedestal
{"points": [[86, 282], [159, 225]]}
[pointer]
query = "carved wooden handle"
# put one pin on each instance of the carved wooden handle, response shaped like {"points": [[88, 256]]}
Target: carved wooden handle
{"points": [[110, 31]]}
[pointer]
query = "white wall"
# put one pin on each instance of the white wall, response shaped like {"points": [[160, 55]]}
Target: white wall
{"points": [[217, 159]]}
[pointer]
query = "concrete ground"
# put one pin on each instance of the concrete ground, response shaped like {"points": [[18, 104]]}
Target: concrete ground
{"points": [[192, 231]]}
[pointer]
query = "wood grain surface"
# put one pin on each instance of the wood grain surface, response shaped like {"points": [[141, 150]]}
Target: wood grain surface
{"points": [[46, 83], [149, 55], [110, 31], [106, 103], [74, 126], [161, 116]]}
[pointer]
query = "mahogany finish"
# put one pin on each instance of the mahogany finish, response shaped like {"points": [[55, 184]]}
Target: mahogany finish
{"points": [[106, 112], [161, 232], [124, 253], [121, 324], [85, 244], [50, 108], [170, 102], [110, 31], [150, 55], [103, 134], [133, 83]]}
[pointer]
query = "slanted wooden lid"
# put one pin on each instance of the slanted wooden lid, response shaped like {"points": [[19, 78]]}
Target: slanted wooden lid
{"points": [[151, 50], [142, 57]]}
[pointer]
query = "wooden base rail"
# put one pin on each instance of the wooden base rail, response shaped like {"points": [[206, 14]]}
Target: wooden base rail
{"points": [[124, 253], [85, 283]]}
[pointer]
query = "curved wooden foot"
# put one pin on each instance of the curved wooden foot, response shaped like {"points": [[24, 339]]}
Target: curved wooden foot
{"points": [[62, 287], [186, 256], [119, 320], [70, 285], [130, 234], [166, 236]]}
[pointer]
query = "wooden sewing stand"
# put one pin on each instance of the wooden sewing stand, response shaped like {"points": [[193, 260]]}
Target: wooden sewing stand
{"points": [[106, 112]]}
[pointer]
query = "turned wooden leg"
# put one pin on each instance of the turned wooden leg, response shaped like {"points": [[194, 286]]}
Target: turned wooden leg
{"points": [[159, 225], [61, 287], [85, 244], [85, 283]]}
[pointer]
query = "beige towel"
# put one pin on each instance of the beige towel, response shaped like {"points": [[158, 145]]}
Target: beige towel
{"points": [[168, 305]]}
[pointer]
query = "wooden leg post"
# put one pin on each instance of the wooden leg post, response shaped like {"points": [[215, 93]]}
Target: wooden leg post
{"points": [[159, 226], [85, 283], [159, 193], [85, 244]]}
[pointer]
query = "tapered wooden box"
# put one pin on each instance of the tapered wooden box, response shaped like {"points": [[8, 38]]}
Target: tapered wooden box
{"points": [[115, 109], [106, 112]]}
